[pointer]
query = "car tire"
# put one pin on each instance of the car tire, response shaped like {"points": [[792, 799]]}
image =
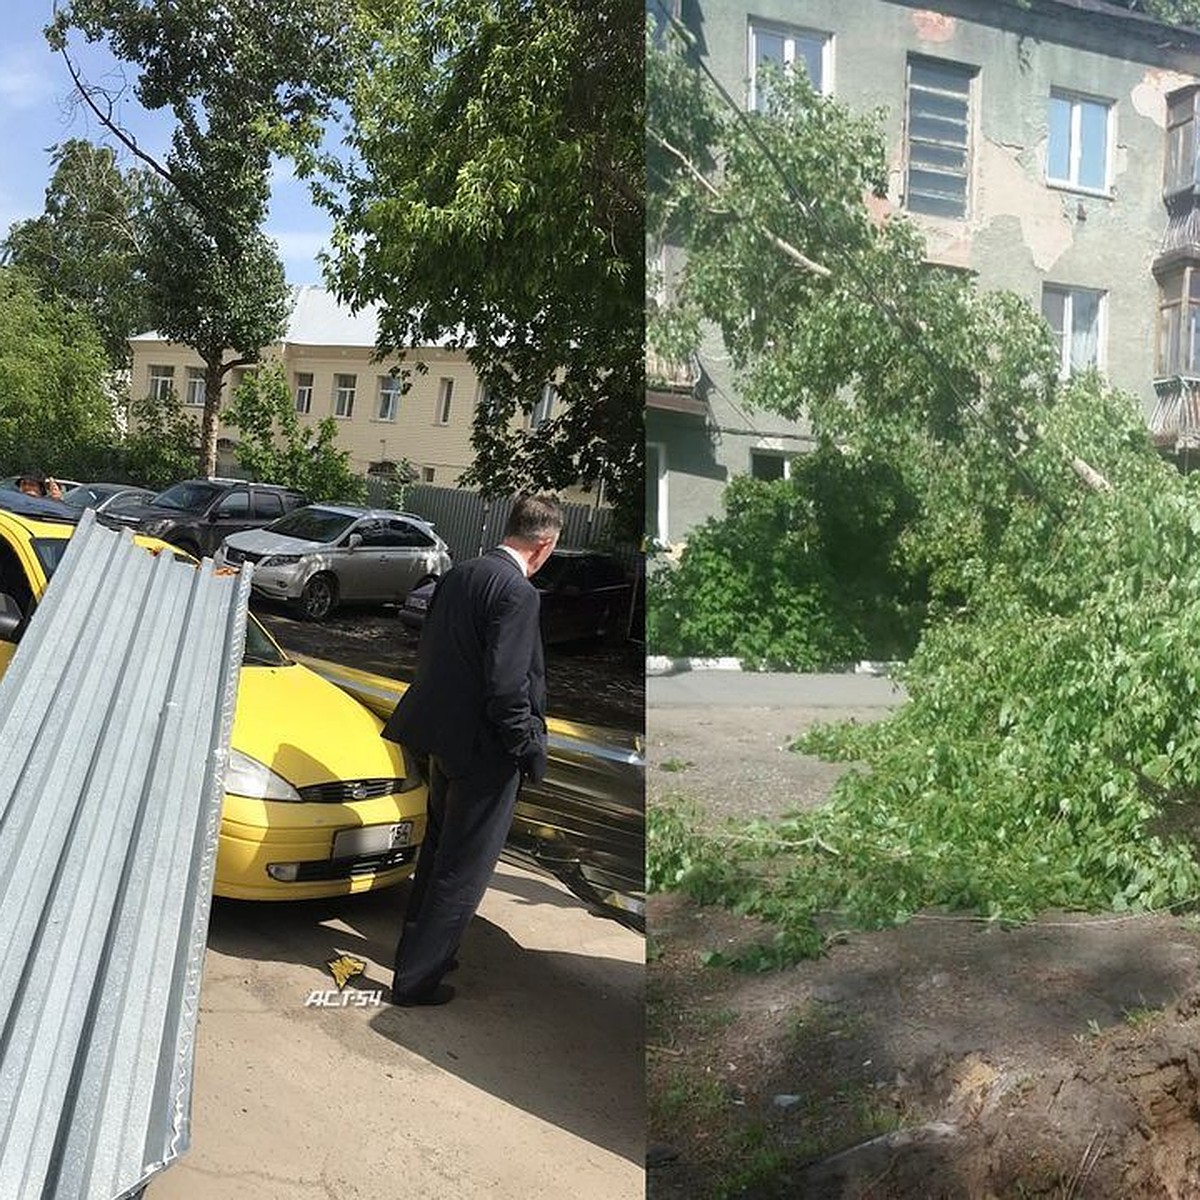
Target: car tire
{"points": [[319, 598]]}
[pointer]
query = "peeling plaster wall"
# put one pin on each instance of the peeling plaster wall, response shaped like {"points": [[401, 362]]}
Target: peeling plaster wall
{"points": [[1019, 233]]}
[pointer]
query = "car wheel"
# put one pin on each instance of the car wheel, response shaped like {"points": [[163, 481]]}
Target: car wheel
{"points": [[319, 598]]}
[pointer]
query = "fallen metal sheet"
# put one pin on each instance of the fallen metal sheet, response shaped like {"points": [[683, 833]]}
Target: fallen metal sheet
{"points": [[585, 823], [115, 716]]}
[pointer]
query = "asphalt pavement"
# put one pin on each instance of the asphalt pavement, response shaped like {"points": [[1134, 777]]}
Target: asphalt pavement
{"points": [[746, 689], [529, 1085]]}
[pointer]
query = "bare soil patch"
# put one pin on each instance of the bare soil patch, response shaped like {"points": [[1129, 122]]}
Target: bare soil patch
{"points": [[947, 1058]]}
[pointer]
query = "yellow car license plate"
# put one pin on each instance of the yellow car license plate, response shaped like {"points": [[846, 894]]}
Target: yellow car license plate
{"points": [[371, 839]]}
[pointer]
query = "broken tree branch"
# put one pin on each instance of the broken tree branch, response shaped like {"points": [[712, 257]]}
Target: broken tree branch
{"points": [[799, 258]]}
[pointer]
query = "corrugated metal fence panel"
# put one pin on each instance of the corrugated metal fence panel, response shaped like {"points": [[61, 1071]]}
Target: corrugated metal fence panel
{"points": [[115, 717], [469, 524]]}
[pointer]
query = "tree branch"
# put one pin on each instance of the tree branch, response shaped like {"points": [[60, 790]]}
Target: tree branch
{"points": [[800, 259]]}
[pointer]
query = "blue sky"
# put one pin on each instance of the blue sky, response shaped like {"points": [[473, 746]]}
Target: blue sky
{"points": [[36, 111]]}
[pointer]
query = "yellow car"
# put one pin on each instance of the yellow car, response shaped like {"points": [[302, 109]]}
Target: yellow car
{"points": [[317, 803]]}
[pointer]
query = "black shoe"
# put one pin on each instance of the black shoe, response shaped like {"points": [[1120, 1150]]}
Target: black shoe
{"points": [[441, 993]]}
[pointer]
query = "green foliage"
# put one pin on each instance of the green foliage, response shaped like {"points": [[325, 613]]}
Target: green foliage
{"points": [[1048, 755], [798, 574], [495, 199], [277, 447], [161, 446], [86, 247], [54, 397], [240, 79], [678, 858]]}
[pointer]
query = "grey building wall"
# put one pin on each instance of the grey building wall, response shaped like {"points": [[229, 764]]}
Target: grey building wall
{"points": [[1020, 232]]}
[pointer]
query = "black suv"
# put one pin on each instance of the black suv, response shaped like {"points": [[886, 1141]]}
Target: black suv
{"points": [[198, 514]]}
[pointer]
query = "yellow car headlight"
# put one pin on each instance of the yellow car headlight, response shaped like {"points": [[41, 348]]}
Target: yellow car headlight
{"points": [[246, 776]]}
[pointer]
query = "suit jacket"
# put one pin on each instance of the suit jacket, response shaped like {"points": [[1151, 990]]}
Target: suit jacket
{"points": [[479, 697]]}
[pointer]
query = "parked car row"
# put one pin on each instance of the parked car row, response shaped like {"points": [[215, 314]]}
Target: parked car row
{"points": [[315, 557]]}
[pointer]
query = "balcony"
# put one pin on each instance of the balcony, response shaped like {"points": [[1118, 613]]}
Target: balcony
{"points": [[671, 384]]}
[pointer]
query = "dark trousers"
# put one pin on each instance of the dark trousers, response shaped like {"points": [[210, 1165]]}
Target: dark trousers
{"points": [[469, 818]]}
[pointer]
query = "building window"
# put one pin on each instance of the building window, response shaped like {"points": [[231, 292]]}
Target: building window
{"points": [[343, 395], [1179, 323], [770, 464], [656, 492], [544, 407], [939, 137], [389, 398], [1077, 152], [162, 383], [1075, 316], [1181, 140], [194, 394], [445, 396], [427, 474], [304, 387], [786, 49]]}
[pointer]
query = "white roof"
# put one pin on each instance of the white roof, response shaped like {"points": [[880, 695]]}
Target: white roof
{"points": [[319, 319]]}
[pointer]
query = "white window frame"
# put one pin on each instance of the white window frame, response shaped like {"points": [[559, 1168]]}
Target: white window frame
{"points": [[427, 474], [661, 534], [767, 452], [445, 399], [304, 392], [343, 396], [791, 34], [1075, 143], [193, 395], [389, 391], [162, 381], [543, 410], [1068, 294]]}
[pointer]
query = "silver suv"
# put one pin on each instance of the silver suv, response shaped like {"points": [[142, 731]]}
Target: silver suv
{"points": [[323, 555]]}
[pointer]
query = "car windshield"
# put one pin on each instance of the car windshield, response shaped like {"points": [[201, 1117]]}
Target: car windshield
{"points": [[188, 497], [83, 497], [313, 524], [260, 650]]}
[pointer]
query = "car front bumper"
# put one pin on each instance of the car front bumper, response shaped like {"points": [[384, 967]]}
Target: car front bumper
{"points": [[278, 850]]}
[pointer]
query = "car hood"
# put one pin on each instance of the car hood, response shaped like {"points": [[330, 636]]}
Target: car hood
{"points": [[263, 541], [147, 512], [309, 731]]}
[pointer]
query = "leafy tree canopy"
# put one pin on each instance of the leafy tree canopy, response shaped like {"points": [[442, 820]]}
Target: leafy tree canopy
{"points": [[238, 78], [493, 197], [54, 399], [87, 246], [276, 446]]}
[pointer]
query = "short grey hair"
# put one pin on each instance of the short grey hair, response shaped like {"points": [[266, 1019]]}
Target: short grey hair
{"points": [[533, 518]]}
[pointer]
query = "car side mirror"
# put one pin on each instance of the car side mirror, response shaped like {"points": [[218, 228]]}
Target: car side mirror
{"points": [[354, 541]]}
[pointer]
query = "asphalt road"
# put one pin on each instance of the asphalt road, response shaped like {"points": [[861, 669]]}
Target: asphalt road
{"points": [[528, 1085]]}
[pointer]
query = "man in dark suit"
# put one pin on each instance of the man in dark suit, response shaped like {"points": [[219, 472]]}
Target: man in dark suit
{"points": [[477, 710]]}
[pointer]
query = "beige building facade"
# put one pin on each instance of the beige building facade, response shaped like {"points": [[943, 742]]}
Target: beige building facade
{"points": [[422, 416]]}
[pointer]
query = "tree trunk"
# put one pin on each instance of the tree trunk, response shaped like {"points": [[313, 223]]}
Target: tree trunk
{"points": [[212, 407]]}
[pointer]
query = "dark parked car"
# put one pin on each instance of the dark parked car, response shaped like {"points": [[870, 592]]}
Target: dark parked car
{"points": [[107, 497], [197, 515], [584, 594]]}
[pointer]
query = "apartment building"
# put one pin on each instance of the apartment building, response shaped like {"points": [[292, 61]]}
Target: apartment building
{"points": [[328, 354], [1046, 146]]}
